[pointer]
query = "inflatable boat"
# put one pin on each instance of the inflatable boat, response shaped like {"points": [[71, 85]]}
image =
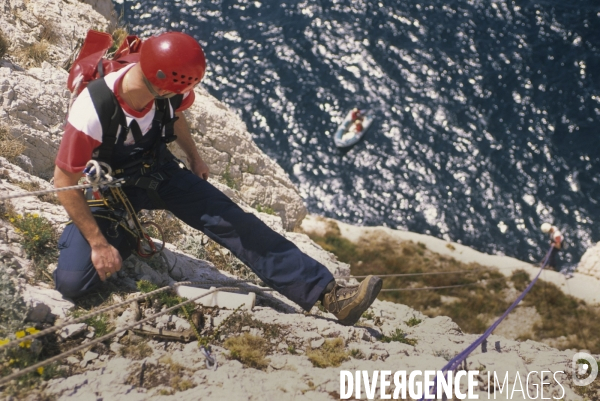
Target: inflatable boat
{"points": [[349, 132]]}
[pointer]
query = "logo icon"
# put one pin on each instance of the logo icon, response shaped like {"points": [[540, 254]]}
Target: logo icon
{"points": [[583, 365]]}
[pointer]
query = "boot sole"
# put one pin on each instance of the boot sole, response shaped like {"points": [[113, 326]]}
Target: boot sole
{"points": [[373, 287]]}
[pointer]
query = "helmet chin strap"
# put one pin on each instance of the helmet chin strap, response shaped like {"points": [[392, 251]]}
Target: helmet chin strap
{"points": [[154, 92]]}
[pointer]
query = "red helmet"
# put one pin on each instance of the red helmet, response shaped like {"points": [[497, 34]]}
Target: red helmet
{"points": [[172, 61]]}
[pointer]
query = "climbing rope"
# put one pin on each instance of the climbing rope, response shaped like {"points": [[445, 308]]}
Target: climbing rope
{"points": [[65, 354], [416, 274], [95, 176], [440, 287], [87, 316], [462, 356]]}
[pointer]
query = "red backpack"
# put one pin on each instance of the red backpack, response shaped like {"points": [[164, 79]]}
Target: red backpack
{"points": [[87, 71], [92, 63]]}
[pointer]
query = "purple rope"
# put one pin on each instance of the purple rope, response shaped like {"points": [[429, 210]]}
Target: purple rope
{"points": [[457, 360]]}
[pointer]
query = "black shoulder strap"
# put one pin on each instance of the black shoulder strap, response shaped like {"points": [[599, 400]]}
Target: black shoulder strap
{"points": [[111, 117], [163, 114], [176, 101]]}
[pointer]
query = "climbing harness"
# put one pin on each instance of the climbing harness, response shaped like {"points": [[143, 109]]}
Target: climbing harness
{"points": [[111, 203]]}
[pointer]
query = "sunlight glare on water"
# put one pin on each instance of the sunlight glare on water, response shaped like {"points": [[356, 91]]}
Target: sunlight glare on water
{"points": [[486, 112]]}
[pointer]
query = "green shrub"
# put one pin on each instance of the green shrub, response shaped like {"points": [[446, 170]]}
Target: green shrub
{"points": [[38, 234], [399, 336], [166, 298], [39, 241], [228, 178], [265, 209], [413, 321]]}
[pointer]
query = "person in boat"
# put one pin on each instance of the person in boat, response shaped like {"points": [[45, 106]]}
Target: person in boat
{"points": [[356, 115], [358, 126], [92, 250]]}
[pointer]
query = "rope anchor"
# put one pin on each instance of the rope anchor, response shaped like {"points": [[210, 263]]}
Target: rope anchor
{"points": [[210, 360]]}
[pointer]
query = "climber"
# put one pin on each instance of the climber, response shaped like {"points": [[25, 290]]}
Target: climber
{"points": [[557, 241], [356, 115], [153, 92]]}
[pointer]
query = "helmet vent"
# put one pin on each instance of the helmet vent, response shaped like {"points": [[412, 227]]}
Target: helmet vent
{"points": [[160, 74]]}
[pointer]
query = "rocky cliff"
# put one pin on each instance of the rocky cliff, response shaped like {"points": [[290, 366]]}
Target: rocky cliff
{"points": [[303, 353]]}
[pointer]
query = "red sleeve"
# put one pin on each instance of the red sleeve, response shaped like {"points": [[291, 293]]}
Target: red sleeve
{"points": [[187, 101], [75, 150]]}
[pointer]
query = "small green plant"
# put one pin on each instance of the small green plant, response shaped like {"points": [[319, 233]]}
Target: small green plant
{"points": [[166, 298], [265, 209], [37, 232], [331, 353], [228, 178], [444, 354], [368, 315], [4, 45], [357, 354], [413, 321], [100, 324], [399, 336], [26, 354], [249, 350], [451, 247], [39, 241]]}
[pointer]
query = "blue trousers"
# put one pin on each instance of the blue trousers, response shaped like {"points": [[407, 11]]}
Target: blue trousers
{"points": [[277, 261]]}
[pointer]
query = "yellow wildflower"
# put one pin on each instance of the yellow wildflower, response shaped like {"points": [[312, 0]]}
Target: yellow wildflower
{"points": [[20, 334], [35, 215], [32, 330], [12, 220], [11, 361], [25, 344], [4, 341], [40, 370]]}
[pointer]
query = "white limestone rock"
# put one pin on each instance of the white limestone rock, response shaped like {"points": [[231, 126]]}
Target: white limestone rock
{"points": [[72, 330], [590, 262], [51, 298]]}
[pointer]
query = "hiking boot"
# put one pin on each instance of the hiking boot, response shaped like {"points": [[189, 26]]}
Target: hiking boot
{"points": [[349, 303]]}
